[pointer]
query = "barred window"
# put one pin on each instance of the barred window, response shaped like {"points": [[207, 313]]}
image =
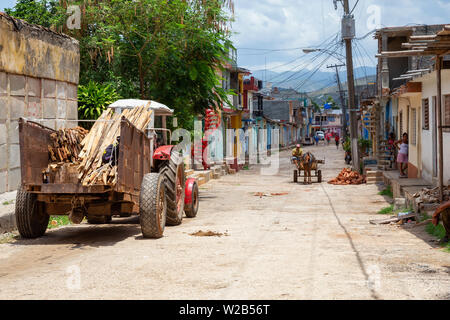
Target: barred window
{"points": [[446, 113], [426, 114], [413, 126], [400, 125]]}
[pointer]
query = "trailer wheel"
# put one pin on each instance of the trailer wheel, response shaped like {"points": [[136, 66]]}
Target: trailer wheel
{"points": [[99, 219], [175, 183], [153, 205], [295, 176], [31, 218], [191, 201], [319, 176]]}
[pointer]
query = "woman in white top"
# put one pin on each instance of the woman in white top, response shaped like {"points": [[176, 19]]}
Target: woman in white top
{"points": [[402, 158]]}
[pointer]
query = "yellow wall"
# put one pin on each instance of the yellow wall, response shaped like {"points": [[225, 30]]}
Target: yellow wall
{"points": [[38, 53], [413, 101]]}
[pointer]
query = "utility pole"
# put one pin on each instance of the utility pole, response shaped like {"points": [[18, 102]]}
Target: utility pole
{"points": [[343, 104], [348, 33]]}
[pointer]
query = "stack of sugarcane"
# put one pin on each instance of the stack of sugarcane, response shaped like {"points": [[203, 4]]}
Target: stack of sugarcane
{"points": [[104, 133], [347, 176], [66, 144]]}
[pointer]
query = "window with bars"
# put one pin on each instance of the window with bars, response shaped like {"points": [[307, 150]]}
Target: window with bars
{"points": [[446, 114], [400, 124], [413, 126], [426, 114]]}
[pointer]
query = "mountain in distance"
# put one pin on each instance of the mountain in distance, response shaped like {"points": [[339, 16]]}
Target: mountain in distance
{"points": [[306, 81]]}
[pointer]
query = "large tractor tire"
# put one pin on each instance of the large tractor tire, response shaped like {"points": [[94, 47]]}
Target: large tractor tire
{"points": [[319, 176], [153, 205], [296, 176], [31, 218], [175, 186], [191, 200]]}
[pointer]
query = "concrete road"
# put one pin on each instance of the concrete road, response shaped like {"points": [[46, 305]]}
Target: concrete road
{"points": [[313, 243]]}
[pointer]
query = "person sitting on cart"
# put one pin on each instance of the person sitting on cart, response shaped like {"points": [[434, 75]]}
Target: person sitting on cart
{"points": [[297, 153]]}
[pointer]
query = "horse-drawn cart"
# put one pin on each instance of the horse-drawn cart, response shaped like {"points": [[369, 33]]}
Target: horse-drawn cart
{"points": [[313, 167]]}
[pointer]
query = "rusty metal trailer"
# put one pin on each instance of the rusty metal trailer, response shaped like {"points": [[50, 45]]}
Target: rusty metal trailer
{"points": [[154, 195]]}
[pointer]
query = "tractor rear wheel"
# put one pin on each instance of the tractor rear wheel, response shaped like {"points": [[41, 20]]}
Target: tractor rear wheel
{"points": [[175, 186], [153, 205], [31, 218], [295, 176], [319, 176]]}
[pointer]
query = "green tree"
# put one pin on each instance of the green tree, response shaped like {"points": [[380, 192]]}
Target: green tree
{"points": [[93, 99], [163, 50], [42, 12]]}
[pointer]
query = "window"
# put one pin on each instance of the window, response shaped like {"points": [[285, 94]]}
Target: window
{"points": [[413, 126], [400, 124], [426, 114], [446, 114]]}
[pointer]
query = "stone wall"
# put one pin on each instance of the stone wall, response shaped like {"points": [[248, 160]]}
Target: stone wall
{"points": [[38, 80]]}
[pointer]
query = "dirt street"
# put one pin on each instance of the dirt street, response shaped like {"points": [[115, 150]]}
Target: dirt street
{"points": [[313, 243]]}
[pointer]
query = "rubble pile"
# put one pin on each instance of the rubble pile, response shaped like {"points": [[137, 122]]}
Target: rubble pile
{"points": [[431, 196], [347, 176]]}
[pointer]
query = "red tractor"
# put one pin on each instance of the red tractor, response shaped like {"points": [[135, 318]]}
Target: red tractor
{"points": [[151, 180]]}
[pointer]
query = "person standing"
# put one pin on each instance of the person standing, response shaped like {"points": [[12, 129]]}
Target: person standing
{"points": [[402, 157], [336, 139], [316, 138], [328, 138]]}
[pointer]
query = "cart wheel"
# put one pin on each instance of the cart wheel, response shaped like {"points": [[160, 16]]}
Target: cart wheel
{"points": [[319, 176], [31, 218], [295, 176], [153, 205], [175, 184], [191, 200]]}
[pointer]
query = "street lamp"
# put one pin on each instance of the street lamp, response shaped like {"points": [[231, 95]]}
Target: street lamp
{"points": [[334, 54]]}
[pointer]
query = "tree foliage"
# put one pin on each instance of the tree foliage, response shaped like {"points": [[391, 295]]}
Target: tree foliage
{"points": [[93, 99], [164, 50]]}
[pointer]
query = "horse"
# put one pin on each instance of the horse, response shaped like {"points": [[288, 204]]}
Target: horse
{"points": [[307, 161]]}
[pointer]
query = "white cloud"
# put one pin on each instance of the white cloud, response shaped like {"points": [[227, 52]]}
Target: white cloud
{"points": [[278, 24]]}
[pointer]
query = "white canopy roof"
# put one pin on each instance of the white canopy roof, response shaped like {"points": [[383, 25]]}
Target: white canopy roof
{"points": [[160, 109]]}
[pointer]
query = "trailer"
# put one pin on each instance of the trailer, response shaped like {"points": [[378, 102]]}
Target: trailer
{"points": [[150, 181]]}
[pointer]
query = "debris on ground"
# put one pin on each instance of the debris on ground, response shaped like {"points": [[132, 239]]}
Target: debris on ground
{"points": [[262, 194], [66, 144], [347, 176], [431, 196], [201, 233], [401, 218]]}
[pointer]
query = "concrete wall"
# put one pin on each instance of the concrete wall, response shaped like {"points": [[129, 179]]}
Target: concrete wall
{"points": [[429, 90], [39, 72]]}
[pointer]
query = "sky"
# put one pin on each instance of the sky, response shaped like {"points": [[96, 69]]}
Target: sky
{"points": [[286, 24], [274, 25]]}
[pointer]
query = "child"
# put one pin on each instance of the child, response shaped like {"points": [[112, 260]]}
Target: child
{"points": [[402, 158]]}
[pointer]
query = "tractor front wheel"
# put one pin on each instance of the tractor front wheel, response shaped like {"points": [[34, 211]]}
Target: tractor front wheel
{"points": [[191, 199]]}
